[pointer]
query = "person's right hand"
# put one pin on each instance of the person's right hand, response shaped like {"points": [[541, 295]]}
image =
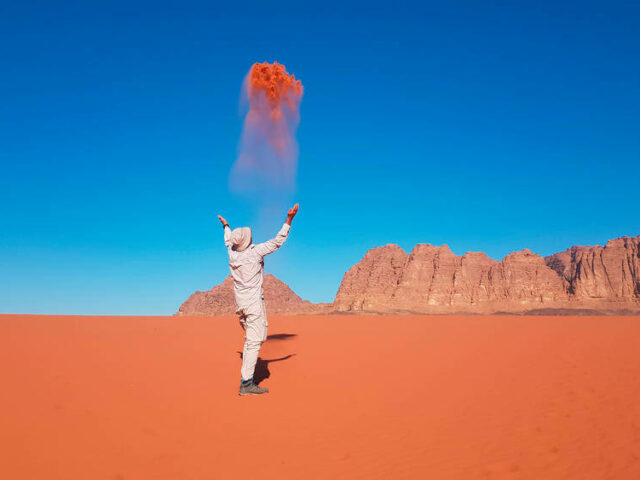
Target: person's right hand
{"points": [[222, 220]]}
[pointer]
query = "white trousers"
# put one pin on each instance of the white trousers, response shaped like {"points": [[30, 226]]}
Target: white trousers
{"points": [[254, 322]]}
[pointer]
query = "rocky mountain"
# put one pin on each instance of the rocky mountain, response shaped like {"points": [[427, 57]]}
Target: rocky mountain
{"points": [[279, 298], [433, 279], [611, 272]]}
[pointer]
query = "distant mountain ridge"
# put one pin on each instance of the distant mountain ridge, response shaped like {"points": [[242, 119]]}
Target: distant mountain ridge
{"points": [[433, 279], [430, 279], [220, 300]]}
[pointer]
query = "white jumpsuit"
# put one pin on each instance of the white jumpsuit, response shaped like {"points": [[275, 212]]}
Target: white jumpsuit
{"points": [[247, 270]]}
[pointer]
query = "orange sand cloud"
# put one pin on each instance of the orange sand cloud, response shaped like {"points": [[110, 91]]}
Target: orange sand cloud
{"points": [[268, 154]]}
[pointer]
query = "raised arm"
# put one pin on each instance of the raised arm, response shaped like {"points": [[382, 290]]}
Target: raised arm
{"points": [[227, 231], [275, 243]]}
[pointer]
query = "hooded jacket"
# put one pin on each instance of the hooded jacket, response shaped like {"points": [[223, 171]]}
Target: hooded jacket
{"points": [[247, 266]]}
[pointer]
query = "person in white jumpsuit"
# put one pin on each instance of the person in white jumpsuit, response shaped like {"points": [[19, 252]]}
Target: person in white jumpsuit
{"points": [[246, 262]]}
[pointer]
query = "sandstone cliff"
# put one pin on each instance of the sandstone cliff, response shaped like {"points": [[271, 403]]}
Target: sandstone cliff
{"points": [[609, 274], [434, 280], [279, 298]]}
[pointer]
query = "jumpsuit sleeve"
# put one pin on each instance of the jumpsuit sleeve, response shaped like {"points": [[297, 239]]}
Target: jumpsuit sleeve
{"points": [[272, 245], [227, 236]]}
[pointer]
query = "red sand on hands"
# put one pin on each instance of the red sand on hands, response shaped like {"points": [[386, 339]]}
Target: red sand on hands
{"points": [[359, 397]]}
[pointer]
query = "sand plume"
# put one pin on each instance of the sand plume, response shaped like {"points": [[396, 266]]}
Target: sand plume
{"points": [[268, 153]]}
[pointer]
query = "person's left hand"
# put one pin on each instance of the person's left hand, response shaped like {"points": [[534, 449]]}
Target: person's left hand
{"points": [[292, 213], [223, 221]]}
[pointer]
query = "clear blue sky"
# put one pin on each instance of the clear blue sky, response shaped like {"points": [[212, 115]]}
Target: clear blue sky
{"points": [[488, 126]]}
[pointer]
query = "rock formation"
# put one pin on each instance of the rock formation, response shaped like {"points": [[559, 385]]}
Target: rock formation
{"points": [[606, 275], [279, 298], [434, 280]]}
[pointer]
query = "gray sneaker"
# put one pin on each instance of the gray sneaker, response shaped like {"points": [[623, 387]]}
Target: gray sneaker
{"points": [[250, 388]]}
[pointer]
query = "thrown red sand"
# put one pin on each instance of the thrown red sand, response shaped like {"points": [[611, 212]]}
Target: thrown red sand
{"points": [[361, 397]]}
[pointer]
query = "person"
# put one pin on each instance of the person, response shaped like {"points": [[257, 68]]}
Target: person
{"points": [[246, 262]]}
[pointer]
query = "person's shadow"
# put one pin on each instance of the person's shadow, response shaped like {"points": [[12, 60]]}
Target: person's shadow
{"points": [[262, 367], [281, 336]]}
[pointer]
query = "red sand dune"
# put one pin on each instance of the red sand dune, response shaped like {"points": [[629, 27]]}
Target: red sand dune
{"points": [[361, 397]]}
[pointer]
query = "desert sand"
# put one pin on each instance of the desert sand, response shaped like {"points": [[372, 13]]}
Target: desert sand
{"points": [[365, 397]]}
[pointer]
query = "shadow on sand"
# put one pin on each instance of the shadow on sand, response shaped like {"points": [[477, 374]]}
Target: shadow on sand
{"points": [[281, 336], [262, 367]]}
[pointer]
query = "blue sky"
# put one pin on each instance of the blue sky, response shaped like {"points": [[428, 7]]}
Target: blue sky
{"points": [[488, 126]]}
